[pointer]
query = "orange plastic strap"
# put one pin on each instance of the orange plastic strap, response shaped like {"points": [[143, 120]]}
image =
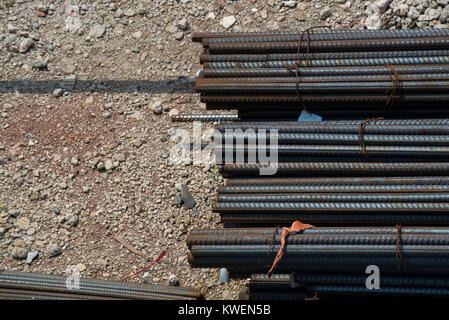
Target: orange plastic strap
{"points": [[297, 226]]}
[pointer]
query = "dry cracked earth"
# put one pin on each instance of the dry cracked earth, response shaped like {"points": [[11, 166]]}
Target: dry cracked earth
{"points": [[86, 93]]}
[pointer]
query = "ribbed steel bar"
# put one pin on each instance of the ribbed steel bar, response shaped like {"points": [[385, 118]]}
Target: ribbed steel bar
{"points": [[336, 87], [400, 61], [380, 33], [247, 263], [320, 56], [339, 181], [256, 189], [335, 114], [204, 117], [240, 101], [329, 36], [384, 127], [316, 72], [382, 291], [10, 280], [320, 79], [334, 219], [335, 168], [334, 139], [429, 43], [261, 282], [332, 197], [302, 151], [348, 207]]}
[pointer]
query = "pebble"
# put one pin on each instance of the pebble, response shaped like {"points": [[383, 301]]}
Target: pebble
{"points": [[187, 199], [58, 92], [325, 13], [157, 106], [19, 253], [53, 250], [173, 280], [31, 256], [108, 165], [25, 45], [228, 21], [97, 31]]}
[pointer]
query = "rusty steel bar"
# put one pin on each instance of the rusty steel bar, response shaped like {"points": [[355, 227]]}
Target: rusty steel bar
{"points": [[430, 43], [380, 33], [234, 101], [328, 36], [320, 56], [22, 284], [341, 168], [336, 139], [317, 72], [332, 197], [204, 117], [335, 218], [289, 65]]}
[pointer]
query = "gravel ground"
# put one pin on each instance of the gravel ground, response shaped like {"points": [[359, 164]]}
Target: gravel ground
{"points": [[86, 93]]}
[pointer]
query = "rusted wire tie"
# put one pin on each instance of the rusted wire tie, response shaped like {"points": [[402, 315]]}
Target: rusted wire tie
{"points": [[395, 83], [296, 227], [272, 240], [361, 141], [298, 61], [399, 249]]}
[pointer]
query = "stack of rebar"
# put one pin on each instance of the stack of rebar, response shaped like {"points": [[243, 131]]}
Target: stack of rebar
{"points": [[16, 285], [365, 73], [283, 164], [386, 172], [413, 261], [321, 285]]}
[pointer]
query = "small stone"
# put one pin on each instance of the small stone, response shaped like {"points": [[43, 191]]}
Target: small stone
{"points": [[157, 106], [40, 63], [183, 25], [107, 114], [19, 253], [289, 4], [179, 35], [31, 256], [35, 195], [108, 165], [325, 13], [173, 280], [73, 221], [130, 12], [85, 189], [58, 92], [228, 21], [97, 31], [137, 34], [74, 161], [25, 45], [444, 17], [53, 250], [81, 267], [188, 201], [121, 157], [23, 223]]}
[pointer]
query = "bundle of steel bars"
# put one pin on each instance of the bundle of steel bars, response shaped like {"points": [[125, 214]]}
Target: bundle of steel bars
{"points": [[365, 72], [385, 178], [421, 251], [325, 175], [321, 285], [18, 285]]}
